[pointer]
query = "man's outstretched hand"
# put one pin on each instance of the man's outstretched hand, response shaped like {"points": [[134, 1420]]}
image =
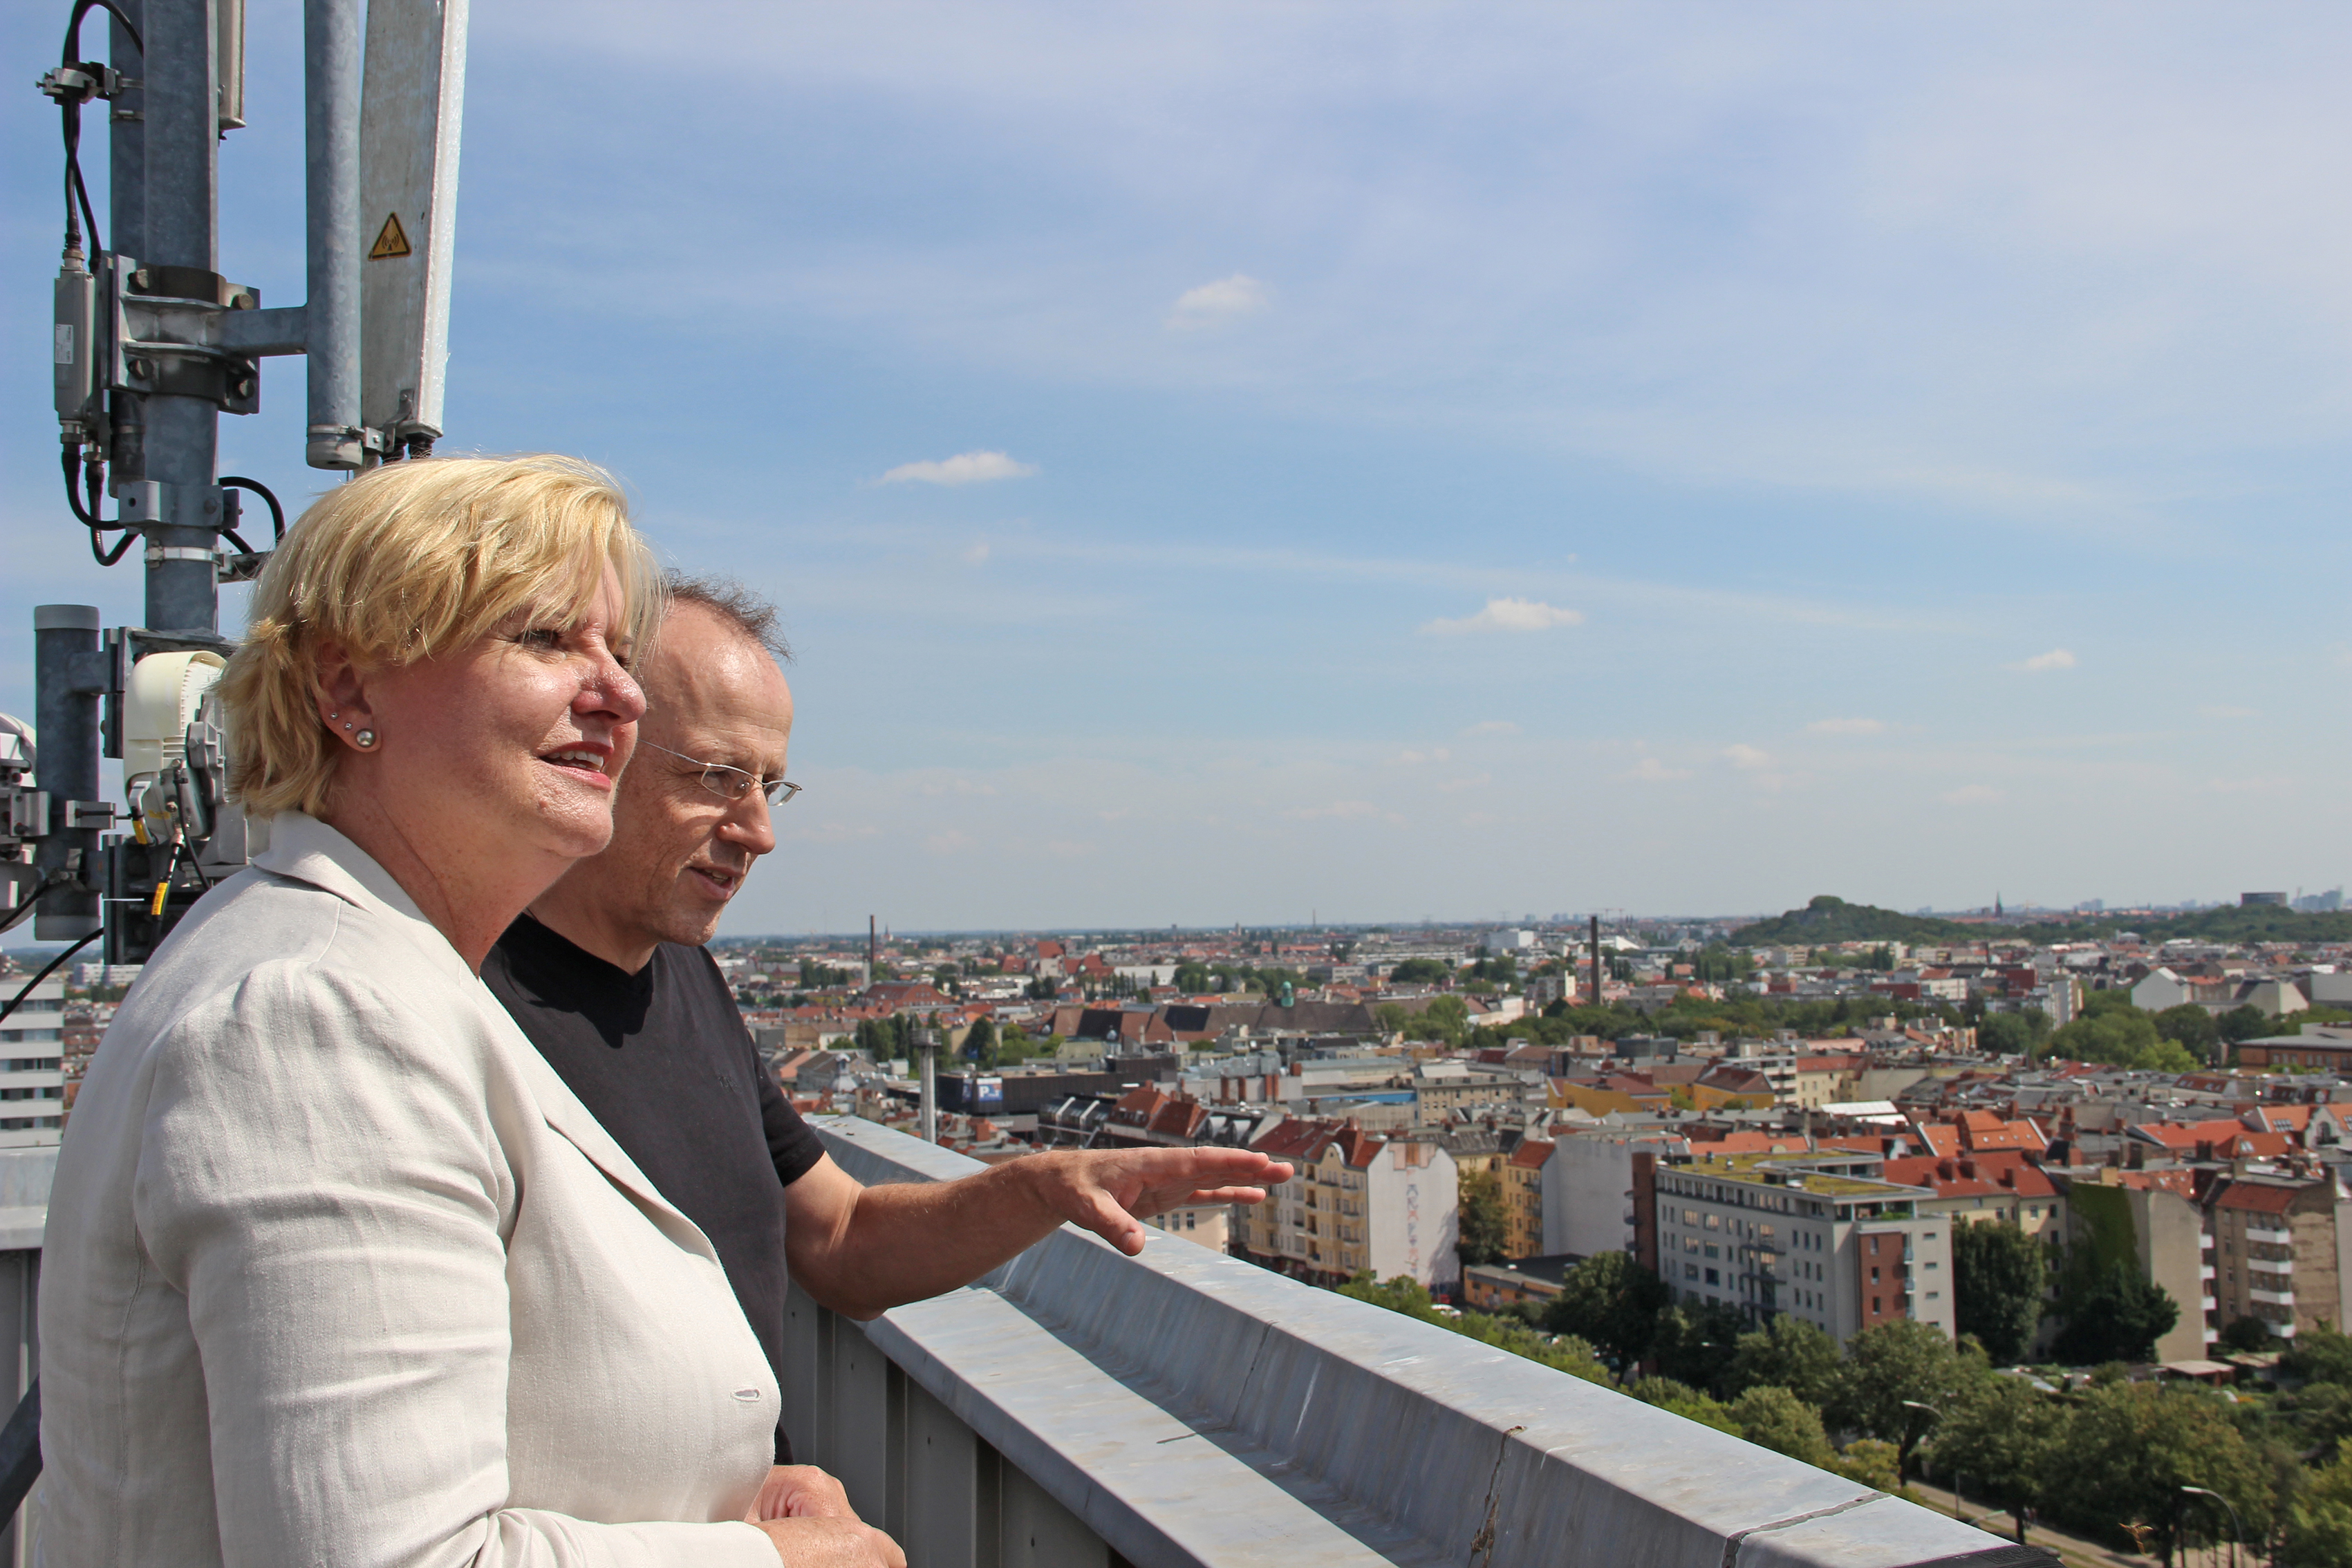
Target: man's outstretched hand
{"points": [[1112, 1192]]}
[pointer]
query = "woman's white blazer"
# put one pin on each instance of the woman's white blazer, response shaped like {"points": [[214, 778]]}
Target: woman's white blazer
{"points": [[338, 1271]]}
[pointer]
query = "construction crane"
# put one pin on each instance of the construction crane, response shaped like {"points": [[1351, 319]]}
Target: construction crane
{"points": [[152, 345]]}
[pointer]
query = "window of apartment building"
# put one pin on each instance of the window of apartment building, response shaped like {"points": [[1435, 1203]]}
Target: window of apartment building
{"points": [[1690, 1216], [1713, 1223], [1690, 1271], [1711, 1277], [1711, 1252]]}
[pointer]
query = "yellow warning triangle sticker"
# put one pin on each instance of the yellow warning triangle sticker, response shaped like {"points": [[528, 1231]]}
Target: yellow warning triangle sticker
{"points": [[391, 240]]}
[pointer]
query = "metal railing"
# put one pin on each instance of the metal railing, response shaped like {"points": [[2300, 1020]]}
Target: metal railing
{"points": [[1186, 1408]]}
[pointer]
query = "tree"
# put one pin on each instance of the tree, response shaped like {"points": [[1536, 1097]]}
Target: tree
{"points": [[1695, 1343], [2319, 1522], [2246, 1335], [1483, 1227], [1777, 1419], [2120, 1037], [1191, 978], [1790, 1353], [2014, 1033], [2131, 1447], [1685, 1400], [2246, 1023], [2002, 1433], [2192, 1026], [1871, 1462], [2120, 1318], [1446, 1018], [1421, 972], [2320, 1355], [1888, 1369], [1403, 1294], [980, 1044], [1613, 1301], [1999, 1273]]}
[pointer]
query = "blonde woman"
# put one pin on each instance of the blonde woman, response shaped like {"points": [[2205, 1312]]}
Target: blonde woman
{"points": [[337, 1269]]}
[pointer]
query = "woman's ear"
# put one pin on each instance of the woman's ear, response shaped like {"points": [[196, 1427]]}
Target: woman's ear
{"points": [[341, 695]]}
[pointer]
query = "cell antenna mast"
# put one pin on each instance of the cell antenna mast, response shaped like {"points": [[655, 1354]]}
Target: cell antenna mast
{"points": [[151, 347]]}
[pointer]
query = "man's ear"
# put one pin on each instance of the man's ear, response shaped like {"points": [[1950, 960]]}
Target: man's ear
{"points": [[341, 694]]}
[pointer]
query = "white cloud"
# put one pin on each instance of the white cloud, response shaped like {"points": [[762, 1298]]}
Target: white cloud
{"points": [[1226, 299], [1746, 757], [976, 555], [963, 469], [1475, 780], [1971, 795], [2056, 658], [1413, 759], [1657, 772], [1509, 615], [1493, 726], [955, 841], [1846, 727]]}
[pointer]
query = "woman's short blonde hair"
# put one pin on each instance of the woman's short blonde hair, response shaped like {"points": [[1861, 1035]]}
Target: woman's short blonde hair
{"points": [[412, 560]]}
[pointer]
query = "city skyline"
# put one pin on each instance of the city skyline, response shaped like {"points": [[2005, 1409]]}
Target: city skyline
{"points": [[1223, 464]]}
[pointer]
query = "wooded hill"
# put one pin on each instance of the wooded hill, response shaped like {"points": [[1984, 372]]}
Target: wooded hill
{"points": [[1828, 919]]}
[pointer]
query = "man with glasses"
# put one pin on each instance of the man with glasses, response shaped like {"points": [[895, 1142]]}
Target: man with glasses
{"points": [[608, 976]]}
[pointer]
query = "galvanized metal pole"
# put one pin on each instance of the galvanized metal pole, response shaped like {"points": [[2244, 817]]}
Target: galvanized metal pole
{"points": [[65, 660], [183, 140], [331, 125], [127, 140]]}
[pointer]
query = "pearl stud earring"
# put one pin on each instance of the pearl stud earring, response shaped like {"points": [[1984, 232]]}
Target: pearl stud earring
{"points": [[364, 740]]}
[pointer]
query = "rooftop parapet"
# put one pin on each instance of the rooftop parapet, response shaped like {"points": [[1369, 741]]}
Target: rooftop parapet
{"points": [[1184, 1407]]}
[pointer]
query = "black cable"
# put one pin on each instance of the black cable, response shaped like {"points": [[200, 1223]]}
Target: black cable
{"points": [[45, 973], [33, 901], [83, 8], [277, 512], [73, 491], [179, 853], [242, 547], [69, 58], [109, 557]]}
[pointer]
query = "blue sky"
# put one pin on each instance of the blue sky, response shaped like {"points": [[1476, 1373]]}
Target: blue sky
{"points": [[1447, 461]]}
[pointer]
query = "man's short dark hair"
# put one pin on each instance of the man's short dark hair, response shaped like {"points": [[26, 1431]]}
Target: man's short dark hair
{"points": [[736, 605]]}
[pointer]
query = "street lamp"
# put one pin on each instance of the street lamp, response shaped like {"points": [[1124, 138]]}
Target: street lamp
{"points": [[2237, 1531]]}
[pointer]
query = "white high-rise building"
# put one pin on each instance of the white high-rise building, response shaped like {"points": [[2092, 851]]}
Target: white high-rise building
{"points": [[32, 1066]]}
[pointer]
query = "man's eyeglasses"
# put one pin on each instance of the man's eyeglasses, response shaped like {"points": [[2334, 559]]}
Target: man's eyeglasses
{"points": [[731, 784]]}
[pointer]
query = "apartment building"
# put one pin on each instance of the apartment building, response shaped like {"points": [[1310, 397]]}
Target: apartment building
{"points": [[2278, 1250], [32, 1068], [1357, 1201], [2148, 1221], [1821, 1237], [1982, 1188], [1590, 1205], [1523, 1197]]}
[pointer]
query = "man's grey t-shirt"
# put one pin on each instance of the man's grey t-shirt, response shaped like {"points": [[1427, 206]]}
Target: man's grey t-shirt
{"points": [[661, 1057]]}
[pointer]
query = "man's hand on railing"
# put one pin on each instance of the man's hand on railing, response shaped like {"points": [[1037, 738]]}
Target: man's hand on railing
{"points": [[801, 1491], [1112, 1192], [830, 1543]]}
